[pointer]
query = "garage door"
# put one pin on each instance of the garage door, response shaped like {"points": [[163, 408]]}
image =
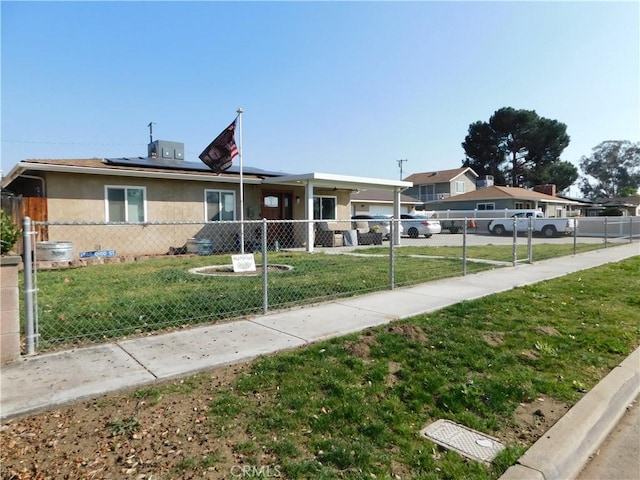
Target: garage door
{"points": [[385, 210]]}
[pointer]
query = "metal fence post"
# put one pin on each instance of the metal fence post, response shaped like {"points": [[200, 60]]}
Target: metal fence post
{"points": [[392, 258], [515, 241], [265, 268], [530, 240], [29, 327], [464, 247], [575, 235], [606, 233], [630, 229]]}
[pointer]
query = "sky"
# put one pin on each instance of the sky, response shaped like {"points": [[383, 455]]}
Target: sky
{"points": [[348, 88]]}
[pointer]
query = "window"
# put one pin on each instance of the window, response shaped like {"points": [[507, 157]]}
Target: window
{"points": [[459, 187], [524, 205], [272, 201], [426, 193], [125, 204], [220, 205], [324, 208], [486, 206]]}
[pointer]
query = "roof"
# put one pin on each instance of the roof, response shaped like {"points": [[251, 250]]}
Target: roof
{"points": [[495, 192], [102, 166], [180, 170], [440, 176], [380, 196], [620, 201]]}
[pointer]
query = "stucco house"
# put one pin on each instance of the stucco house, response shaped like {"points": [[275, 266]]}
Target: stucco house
{"points": [[438, 185], [142, 198], [616, 206]]}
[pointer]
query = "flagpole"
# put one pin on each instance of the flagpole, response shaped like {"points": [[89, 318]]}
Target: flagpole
{"points": [[239, 112]]}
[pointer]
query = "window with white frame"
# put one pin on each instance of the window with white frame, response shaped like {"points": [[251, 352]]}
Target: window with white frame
{"points": [[125, 204], [485, 206], [220, 205], [459, 186], [325, 208]]}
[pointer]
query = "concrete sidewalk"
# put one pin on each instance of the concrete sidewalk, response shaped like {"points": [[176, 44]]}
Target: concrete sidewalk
{"points": [[45, 381]]}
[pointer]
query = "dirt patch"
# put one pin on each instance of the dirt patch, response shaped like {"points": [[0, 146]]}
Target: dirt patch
{"points": [[548, 331], [226, 270], [530, 354], [532, 420], [362, 347], [412, 332], [359, 350], [392, 379], [493, 338], [125, 436]]}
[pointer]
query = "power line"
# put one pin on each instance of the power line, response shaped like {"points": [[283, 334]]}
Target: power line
{"points": [[42, 142]]}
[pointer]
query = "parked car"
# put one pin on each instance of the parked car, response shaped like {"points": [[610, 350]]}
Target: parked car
{"points": [[548, 227], [455, 225], [416, 225], [381, 223]]}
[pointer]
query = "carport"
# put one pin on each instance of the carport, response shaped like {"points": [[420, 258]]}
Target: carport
{"points": [[310, 181]]}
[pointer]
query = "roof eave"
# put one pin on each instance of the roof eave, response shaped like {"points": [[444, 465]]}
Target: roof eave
{"points": [[334, 180], [22, 167]]}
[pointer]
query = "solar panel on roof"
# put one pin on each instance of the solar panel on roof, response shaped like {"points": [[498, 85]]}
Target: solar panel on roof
{"points": [[150, 162]]}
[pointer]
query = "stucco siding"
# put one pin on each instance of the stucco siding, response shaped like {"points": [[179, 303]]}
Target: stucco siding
{"points": [[77, 198]]}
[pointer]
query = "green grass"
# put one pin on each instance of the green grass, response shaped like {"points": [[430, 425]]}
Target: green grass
{"points": [[352, 407], [503, 253], [114, 300]]}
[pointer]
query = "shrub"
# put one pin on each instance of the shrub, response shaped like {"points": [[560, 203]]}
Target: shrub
{"points": [[9, 233]]}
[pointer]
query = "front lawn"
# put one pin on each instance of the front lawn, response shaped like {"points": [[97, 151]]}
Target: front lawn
{"points": [[509, 365], [100, 302]]}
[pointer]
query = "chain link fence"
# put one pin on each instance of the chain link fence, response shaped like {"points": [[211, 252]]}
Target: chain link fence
{"points": [[106, 281]]}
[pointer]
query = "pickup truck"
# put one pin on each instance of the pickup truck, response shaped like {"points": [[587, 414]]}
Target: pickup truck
{"points": [[548, 227]]}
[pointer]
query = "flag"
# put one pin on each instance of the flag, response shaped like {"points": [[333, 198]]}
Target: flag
{"points": [[218, 156]]}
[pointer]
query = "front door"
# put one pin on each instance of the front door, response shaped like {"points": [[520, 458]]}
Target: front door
{"points": [[278, 206]]}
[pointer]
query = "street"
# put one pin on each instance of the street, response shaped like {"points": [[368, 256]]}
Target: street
{"points": [[618, 458]]}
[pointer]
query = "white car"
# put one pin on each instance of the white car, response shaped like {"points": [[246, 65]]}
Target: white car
{"points": [[416, 225], [380, 223]]}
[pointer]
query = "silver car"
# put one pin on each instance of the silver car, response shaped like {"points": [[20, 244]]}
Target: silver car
{"points": [[416, 225]]}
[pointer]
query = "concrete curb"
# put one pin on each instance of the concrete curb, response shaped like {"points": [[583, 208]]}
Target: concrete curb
{"points": [[566, 447]]}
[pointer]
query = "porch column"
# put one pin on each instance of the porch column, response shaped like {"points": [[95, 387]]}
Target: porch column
{"points": [[308, 192]]}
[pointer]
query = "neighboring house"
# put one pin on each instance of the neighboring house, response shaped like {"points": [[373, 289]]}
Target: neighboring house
{"points": [[500, 198], [622, 206], [380, 202], [137, 194], [430, 186]]}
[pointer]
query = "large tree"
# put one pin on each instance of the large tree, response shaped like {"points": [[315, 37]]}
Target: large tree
{"points": [[518, 147], [612, 169], [561, 174]]}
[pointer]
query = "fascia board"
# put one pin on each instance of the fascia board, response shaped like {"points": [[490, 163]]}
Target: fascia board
{"points": [[23, 166]]}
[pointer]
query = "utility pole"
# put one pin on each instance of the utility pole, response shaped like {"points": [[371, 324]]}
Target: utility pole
{"points": [[151, 124], [400, 162]]}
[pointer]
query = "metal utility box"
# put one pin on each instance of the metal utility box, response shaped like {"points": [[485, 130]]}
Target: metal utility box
{"points": [[163, 149]]}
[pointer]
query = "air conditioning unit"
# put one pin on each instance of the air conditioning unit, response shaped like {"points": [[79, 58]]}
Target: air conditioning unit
{"points": [[164, 150]]}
